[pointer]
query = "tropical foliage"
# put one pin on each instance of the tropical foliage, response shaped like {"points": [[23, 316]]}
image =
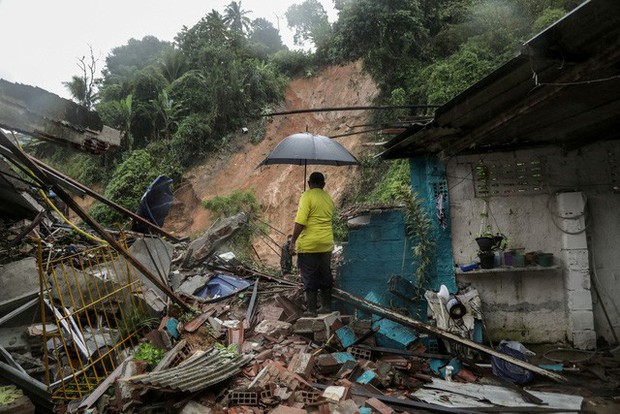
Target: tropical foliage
{"points": [[178, 102]]}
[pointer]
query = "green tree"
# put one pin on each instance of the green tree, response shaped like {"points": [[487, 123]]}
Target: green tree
{"points": [[166, 112], [265, 37], [235, 17], [309, 20], [389, 36], [172, 64], [127, 185], [119, 114], [211, 29], [135, 55]]}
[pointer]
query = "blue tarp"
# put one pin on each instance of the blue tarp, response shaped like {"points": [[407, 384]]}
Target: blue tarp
{"points": [[220, 287], [155, 203]]}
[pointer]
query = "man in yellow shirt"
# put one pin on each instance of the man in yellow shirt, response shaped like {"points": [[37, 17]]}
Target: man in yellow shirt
{"points": [[313, 241]]}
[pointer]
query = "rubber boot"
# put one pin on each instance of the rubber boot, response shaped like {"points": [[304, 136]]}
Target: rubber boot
{"points": [[311, 299], [326, 300]]}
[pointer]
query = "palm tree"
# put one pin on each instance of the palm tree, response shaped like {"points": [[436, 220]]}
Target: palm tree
{"points": [[124, 113], [167, 110], [173, 64], [235, 17]]}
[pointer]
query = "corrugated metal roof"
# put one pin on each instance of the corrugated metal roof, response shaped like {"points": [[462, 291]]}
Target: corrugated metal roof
{"points": [[562, 89], [196, 373]]}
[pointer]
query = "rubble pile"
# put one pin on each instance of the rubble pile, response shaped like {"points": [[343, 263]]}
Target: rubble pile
{"points": [[108, 322]]}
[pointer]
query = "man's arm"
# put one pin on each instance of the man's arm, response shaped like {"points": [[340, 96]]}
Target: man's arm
{"points": [[296, 232]]}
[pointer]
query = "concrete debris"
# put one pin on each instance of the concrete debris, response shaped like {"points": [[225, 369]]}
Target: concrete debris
{"points": [[203, 247]]}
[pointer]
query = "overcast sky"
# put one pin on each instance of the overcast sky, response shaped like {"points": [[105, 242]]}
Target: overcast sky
{"points": [[40, 40]]}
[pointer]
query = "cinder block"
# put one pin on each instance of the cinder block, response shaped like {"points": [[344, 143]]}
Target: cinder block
{"points": [[581, 320], [584, 339], [579, 300], [576, 259], [574, 241], [577, 279]]}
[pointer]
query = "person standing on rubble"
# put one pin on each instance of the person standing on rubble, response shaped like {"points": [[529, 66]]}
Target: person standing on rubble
{"points": [[313, 241]]}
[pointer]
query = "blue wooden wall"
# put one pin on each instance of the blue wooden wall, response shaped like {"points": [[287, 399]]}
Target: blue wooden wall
{"points": [[377, 251]]}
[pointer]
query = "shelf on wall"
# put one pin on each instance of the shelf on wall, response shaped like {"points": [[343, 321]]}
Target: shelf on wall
{"points": [[508, 270]]}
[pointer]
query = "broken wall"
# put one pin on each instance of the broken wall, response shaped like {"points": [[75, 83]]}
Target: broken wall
{"points": [[375, 252]]}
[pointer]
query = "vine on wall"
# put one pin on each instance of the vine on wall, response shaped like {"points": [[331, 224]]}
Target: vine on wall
{"points": [[419, 230]]}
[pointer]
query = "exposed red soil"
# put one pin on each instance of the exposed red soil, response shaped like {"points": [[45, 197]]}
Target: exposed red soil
{"points": [[278, 187]]}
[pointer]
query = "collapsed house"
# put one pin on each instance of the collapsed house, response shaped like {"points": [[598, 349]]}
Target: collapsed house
{"points": [[93, 321]]}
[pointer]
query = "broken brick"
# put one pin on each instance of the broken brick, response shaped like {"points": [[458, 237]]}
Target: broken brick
{"points": [[302, 364], [379, 406]]}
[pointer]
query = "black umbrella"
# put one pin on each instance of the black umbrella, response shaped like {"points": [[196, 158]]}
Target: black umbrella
{"points": [[306, 148]]}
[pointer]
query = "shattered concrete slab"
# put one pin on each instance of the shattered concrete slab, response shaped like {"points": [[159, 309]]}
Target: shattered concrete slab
{"points": [[156, 254], [203, 247], [19, 279]]}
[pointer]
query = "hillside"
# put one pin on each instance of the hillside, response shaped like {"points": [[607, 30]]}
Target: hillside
{"points": [[278, 187]]}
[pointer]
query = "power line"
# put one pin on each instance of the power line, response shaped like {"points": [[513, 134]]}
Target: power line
{"points": [[351, 108]]}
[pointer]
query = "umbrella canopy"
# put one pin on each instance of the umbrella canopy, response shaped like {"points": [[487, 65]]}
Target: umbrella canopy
{"points": [[306, 148]]}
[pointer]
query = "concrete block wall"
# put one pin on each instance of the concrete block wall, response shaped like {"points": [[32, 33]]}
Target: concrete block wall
{"points": [[522, 306]]}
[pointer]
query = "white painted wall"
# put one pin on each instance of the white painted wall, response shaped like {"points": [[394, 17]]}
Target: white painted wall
{"points": [[535, 298]]}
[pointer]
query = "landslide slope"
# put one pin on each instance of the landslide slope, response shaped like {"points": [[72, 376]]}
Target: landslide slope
{"points": [[278, 187]]}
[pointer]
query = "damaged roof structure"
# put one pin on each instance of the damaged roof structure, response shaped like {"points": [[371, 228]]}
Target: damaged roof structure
{"points": [[561, 90], [41, 114]]}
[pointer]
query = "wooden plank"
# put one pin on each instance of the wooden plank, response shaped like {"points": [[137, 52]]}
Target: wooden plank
{"points": [[415, 324]]}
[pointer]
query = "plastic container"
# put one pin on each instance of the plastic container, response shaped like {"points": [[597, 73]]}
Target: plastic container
{"points": [[518, 260], [507, 258], [469, 267], [545, 259]]}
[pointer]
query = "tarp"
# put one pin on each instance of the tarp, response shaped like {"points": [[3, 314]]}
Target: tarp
{"points": [[155, 203], [220, 287]]}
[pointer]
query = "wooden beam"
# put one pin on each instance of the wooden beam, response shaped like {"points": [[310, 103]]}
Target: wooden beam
{"points": [[104, 200]]}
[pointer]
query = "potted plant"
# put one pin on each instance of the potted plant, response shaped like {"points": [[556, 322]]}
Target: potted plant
{"points": [[489, 243]]}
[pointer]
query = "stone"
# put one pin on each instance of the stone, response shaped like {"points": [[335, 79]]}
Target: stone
{"points": [[274, 328], [335, 393], [19, 279], [193, 407]]}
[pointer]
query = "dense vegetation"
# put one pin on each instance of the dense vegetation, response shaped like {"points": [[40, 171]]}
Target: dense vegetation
{"points": [[175, 103]]}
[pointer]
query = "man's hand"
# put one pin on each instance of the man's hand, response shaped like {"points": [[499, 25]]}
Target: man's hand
{"points": [[291, 248]]}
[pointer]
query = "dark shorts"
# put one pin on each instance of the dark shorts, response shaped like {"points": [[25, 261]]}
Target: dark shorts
{"points": [[315, 269]]}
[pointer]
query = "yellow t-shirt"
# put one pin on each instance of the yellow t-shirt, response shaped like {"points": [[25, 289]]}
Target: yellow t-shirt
{"points": [[315, 212]]}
